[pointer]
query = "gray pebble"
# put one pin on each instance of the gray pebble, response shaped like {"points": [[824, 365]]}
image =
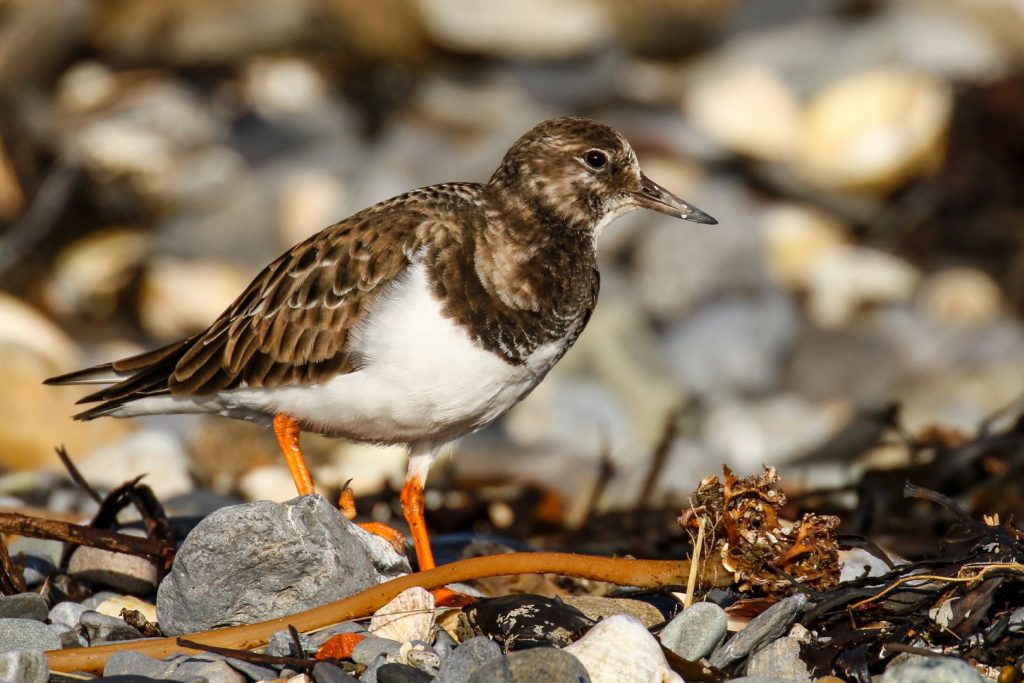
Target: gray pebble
{"points": [[98, 598], [423, 657], [401, 673], [444, 644], [696, 631], [256, 561], [368, 649], [69, 636], [325, 672], [779, 659], [281, 644], [758, 679], [217, 671], [467, 658], [24, 666], [765, 627], [932, 670], [127, 573], [370, 674], [526, 666], [67, 612], [23, 606], [102, 628], [131, 663], [26, 634], [252, 671], [39, 557]]}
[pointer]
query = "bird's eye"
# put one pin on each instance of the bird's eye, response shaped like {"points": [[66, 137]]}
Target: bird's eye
{"points": [[595, 158]]}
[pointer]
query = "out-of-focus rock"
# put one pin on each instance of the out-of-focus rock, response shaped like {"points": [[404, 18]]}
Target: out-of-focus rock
{"points": [[845, 280], [733, 345], [747, 109], [961, 398], [796, 237], [531, 29], [32, 349], [197, 31], [678, 265], [279, 87], [113, 606], [669, 28], [90, 274], [36, 38], [179, 297], [269, 482], [120, 571], [964, 297], [158, 455], [852, 366], [310, 200], [875, 130], [774, 429]]}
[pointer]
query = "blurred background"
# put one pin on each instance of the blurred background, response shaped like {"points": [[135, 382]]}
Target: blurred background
{"points": [[857, 309]]}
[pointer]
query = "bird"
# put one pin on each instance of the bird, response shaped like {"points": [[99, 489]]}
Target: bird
{"points": [[415, 321]]}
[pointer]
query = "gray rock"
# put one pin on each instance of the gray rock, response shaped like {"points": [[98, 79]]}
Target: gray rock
{"points": [[370, 648], [23, 606], [759, 679], [39, 558], [596, 607], [131, 663], [423, 657], [393, 672], [26, 634], [733, 346], [24, 666], [467, 658], [102, 628], [370, 674], [67, 612], [767, 626], [256, 561], [932, 670], [324, 672], [444, 644], [779, 659], [526, 666], [281, 644], [254, 672], [217, 671], [696, 631], [69, 636], [127, 573], [98, 598]]}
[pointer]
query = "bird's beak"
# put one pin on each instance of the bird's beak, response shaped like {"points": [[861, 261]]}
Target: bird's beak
{"points": [[651, 195]]}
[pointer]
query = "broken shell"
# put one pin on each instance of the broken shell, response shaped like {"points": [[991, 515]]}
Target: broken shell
{"points": [[620, 650], [409, 616]]}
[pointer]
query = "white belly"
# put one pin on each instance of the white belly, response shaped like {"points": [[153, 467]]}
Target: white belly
{"points": [[422, 379]]}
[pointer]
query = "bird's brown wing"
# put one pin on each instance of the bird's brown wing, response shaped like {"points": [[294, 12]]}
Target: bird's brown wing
{"points": [[291, 325]]}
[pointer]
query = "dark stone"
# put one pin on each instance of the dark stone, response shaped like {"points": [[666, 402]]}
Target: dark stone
{"points": [[24, 606], [325, 672], [252, 671], [102, 628], [527, 666], [26, 634], [764, 628], [467, 658], [401, 673], [518, 622]]}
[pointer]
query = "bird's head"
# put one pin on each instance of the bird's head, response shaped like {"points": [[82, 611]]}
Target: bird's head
{"points": [[583, 174]]}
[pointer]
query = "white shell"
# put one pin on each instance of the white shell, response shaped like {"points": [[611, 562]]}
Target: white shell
{"points": [[620, 650], [409, 616]]}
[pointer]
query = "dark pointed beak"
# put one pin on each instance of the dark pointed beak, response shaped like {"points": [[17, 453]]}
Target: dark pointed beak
{"points": [[653, 196]]}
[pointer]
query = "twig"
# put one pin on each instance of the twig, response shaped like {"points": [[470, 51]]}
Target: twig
{"points": [[913, 491], [12, 581], [76, 475], [660, 457], [299, 663], [622, 571], [296, 643], [695, 558], [77, 534], [606, 469], [984, 569]]}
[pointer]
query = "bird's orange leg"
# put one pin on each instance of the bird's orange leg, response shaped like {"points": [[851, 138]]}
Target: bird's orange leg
{"points": [[412, 508], [347, 504], [287, 431]]}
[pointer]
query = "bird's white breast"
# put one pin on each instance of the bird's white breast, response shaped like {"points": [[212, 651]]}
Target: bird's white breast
{"points": [[422, 377]]}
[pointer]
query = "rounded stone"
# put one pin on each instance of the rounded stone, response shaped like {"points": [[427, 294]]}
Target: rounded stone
{"points": [[26, 634], [121, 571], [696, 631], [536, 664]]}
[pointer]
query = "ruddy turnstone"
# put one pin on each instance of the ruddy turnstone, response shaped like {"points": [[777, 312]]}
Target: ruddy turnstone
{"points": [[415, 321]]}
